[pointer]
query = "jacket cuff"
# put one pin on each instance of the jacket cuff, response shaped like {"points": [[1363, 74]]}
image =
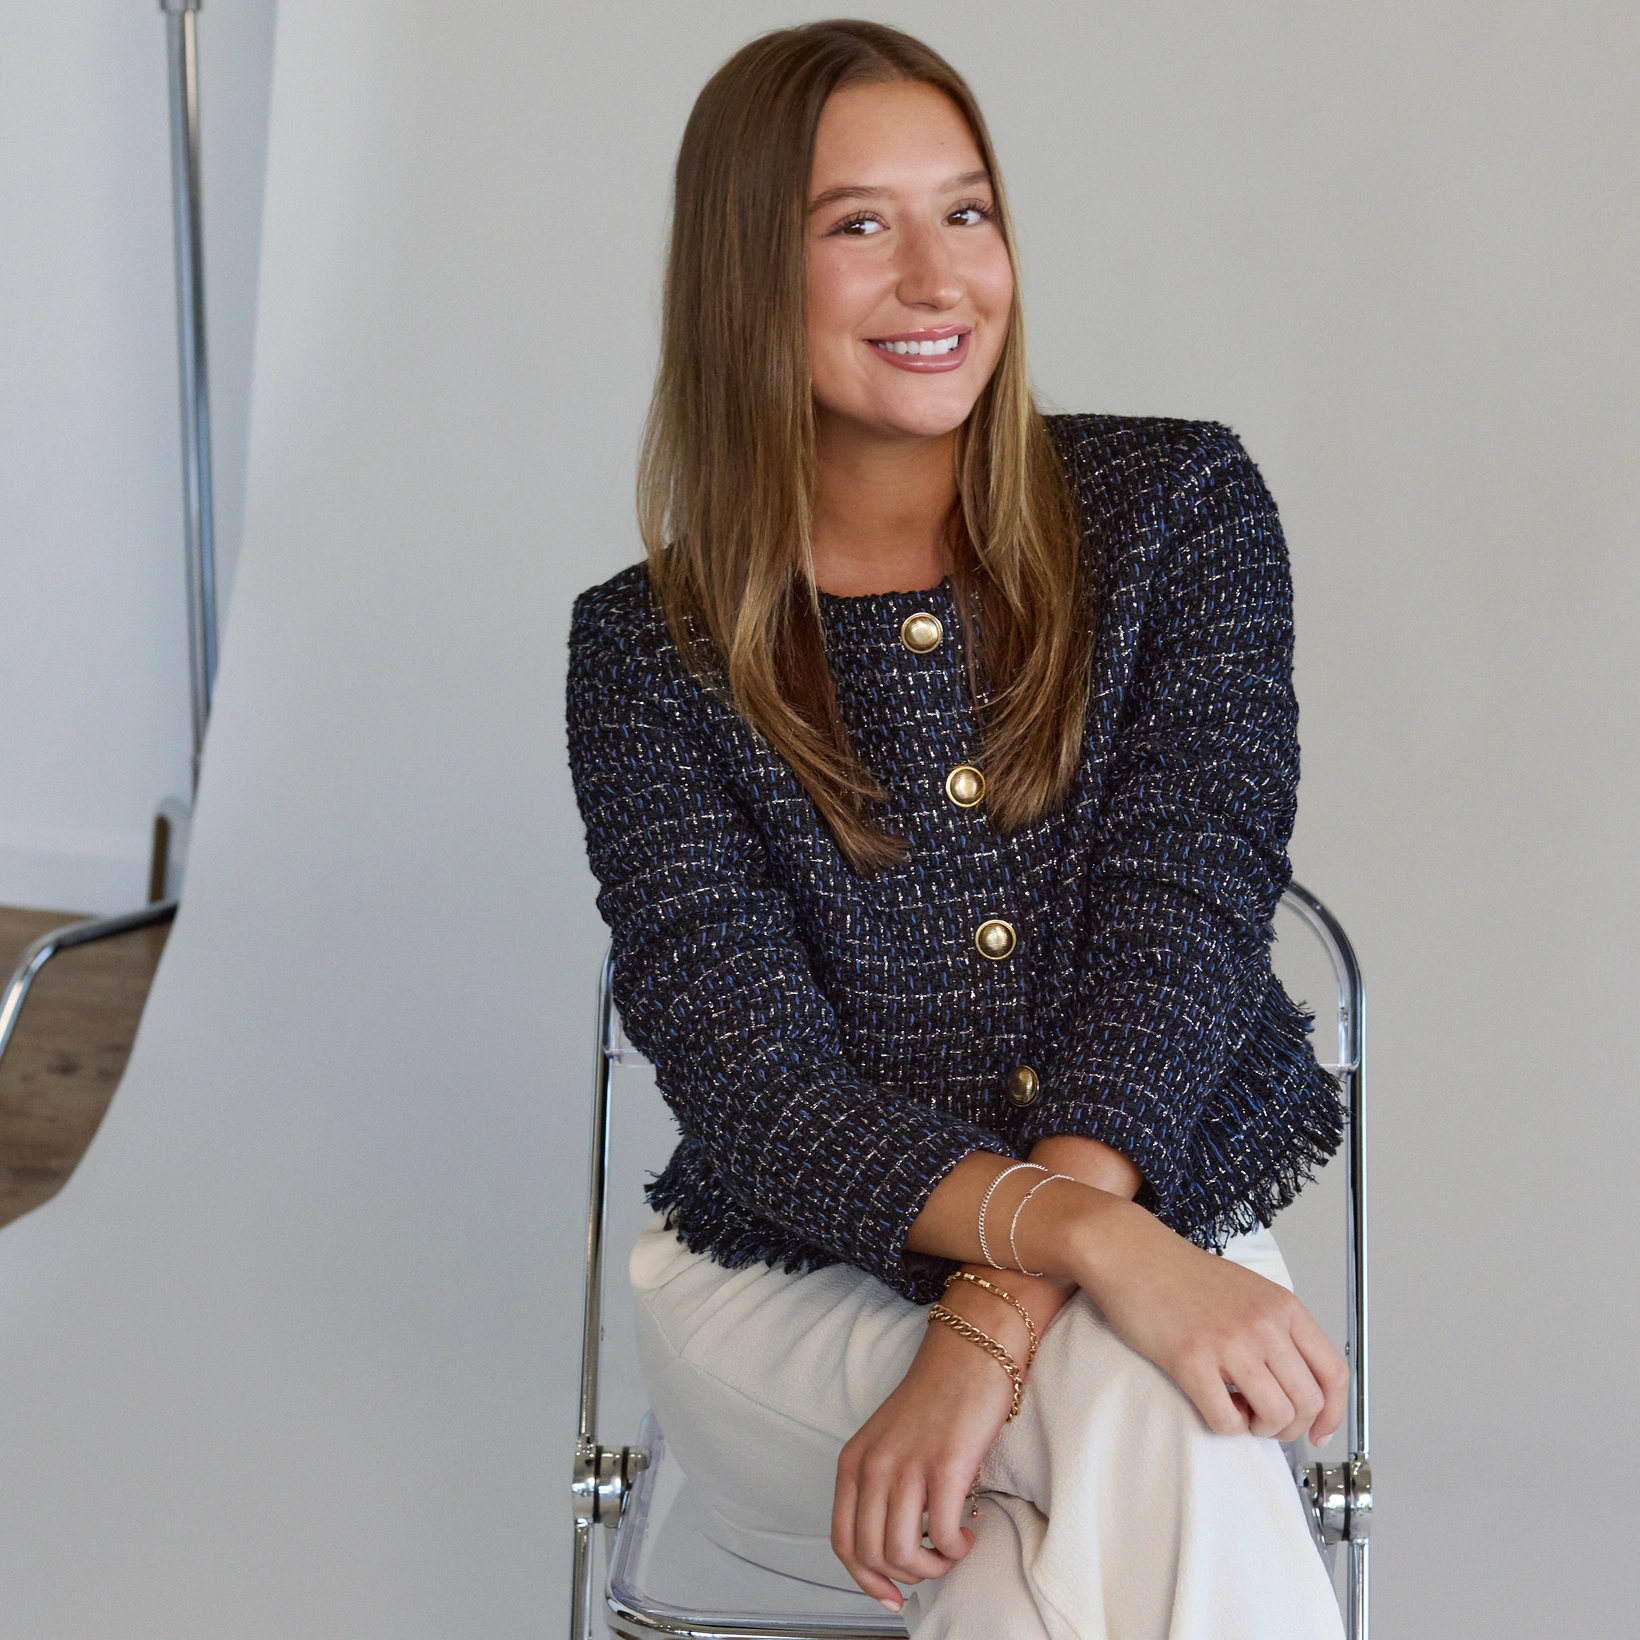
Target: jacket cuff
{"points": [[886, 1223], [1147, 1130]]}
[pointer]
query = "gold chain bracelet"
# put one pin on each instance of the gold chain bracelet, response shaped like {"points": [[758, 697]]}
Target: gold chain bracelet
{"points": [[1006, 1297], [991, 1347]]}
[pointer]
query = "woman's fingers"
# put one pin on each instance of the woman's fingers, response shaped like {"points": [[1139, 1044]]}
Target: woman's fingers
{"points": [[1292, 1371], [1331, 1372], [877, 1527], [1270, 1407], [1202, 1381], [904, 1557], [846, 1534], [870, 1519], [1281, 1378], [844, 1500], [947, 1514]]}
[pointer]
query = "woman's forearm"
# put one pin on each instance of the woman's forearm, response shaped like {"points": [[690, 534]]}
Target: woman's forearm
{"points": [[1042, 1296], [1049, 1234], [1090, 1161]]}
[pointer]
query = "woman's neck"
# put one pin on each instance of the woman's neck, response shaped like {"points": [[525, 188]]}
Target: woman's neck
{"points": [[881, 511]]}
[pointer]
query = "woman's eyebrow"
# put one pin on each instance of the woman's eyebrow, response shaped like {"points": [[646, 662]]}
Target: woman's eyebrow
{"points": [[857, 190]]}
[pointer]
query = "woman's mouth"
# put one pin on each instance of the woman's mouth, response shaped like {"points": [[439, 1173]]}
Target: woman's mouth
{"points": [[923, 350]]}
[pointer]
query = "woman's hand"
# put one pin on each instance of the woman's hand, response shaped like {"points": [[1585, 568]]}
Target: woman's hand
{"points": [[920, 1451], [1243, 1349]]}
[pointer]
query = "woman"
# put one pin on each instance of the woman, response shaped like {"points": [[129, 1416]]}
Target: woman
{"points": [[938, 770]]}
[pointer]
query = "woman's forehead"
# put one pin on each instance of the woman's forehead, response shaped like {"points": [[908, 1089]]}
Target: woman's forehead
{"points": [[895, 135]]}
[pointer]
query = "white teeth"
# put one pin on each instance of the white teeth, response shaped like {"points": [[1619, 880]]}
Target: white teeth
{"points": [[946, 344]]}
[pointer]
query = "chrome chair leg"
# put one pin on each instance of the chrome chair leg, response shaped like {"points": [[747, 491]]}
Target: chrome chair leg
{"points": [[1356, 1592], [599, 1487], [580, 1598]]}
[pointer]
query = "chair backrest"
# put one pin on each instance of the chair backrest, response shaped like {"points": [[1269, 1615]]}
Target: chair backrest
{"points": [[1339, 1495]]}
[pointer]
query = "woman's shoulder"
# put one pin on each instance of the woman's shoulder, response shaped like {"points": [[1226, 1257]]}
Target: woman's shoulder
{"points": [[1141, 482], [618, 612], [1116, 450], [621, 649], [619, 631]]}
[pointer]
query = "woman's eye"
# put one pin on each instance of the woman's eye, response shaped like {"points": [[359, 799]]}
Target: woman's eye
{"points": [[859, 226], [970, 216]]}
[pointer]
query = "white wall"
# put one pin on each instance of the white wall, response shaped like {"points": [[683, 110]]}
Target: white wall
{"points": [[309, 1303], [93, 641]]}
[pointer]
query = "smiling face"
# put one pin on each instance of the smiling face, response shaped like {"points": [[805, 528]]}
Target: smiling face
{"points": [[909, 282]]}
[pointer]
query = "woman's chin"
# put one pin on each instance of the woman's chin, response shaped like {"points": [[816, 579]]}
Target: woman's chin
{"points": [[918, 416]]}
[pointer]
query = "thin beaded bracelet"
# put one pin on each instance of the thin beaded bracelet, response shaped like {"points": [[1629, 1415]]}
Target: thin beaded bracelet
{"points": [[1007, 1297], [985, 1201], [1013, 1223], [986, 1342]]}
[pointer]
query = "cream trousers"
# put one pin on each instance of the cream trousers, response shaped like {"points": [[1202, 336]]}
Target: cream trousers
{"points": [[1108, 1511]]}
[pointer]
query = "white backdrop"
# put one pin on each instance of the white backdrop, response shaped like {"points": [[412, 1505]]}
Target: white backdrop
{"points": [[294, 1354]]}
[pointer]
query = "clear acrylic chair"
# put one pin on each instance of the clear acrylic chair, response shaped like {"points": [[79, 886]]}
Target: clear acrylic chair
{"points": [[667, 1577]]}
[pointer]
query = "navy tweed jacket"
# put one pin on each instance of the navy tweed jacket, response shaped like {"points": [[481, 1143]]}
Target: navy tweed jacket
{"points": [[832, 1045]]}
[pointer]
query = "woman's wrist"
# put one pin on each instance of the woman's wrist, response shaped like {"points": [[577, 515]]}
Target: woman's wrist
{"points": [[995, 1299], [1054, 1232], [1070, 1228]]}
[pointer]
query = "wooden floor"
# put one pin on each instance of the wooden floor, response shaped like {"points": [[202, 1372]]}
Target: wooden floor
{"points": [[68, 1052]]}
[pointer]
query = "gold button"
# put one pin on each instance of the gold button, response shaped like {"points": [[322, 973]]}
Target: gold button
{"points": [[921, 632], [965, 786], [995, 939], [1022, 1085]]}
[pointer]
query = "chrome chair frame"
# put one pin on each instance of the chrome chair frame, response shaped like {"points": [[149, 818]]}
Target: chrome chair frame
{"points": [[1338, 1496], [48, 945]]}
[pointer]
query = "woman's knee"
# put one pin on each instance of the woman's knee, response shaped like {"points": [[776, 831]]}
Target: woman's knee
{"points": [[1094, 1405]]}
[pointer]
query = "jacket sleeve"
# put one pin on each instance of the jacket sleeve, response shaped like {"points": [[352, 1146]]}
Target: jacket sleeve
{"points": [[1175, 1015], [713, 982]]}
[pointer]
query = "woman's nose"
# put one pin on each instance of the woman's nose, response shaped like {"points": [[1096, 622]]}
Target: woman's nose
{"points": [[928, 273]]}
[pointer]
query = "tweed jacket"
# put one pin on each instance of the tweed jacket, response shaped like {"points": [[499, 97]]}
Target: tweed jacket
{"points": [[833, 1044]]}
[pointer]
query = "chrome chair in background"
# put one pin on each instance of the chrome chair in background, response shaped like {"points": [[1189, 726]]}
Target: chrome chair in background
{"points": [[172, 821], [666, 1578], [84, 932]]}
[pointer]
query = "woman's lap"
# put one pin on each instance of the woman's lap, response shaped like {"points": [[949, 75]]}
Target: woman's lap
{"points": [[759, 1377]]}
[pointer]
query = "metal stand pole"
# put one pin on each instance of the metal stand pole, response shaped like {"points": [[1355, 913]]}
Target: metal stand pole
{"points": [[1360, 1468], [172, 821], [198, 521]]}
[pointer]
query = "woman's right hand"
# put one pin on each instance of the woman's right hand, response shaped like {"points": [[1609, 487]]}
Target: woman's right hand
{"points": [[916, 1457], [1245, 1351]]}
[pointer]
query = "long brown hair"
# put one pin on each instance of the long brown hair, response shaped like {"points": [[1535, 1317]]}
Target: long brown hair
{"points": [[727, 475]]}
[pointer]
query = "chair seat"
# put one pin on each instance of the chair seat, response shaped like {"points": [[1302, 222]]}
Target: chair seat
{"points": [[668, 1576]]}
